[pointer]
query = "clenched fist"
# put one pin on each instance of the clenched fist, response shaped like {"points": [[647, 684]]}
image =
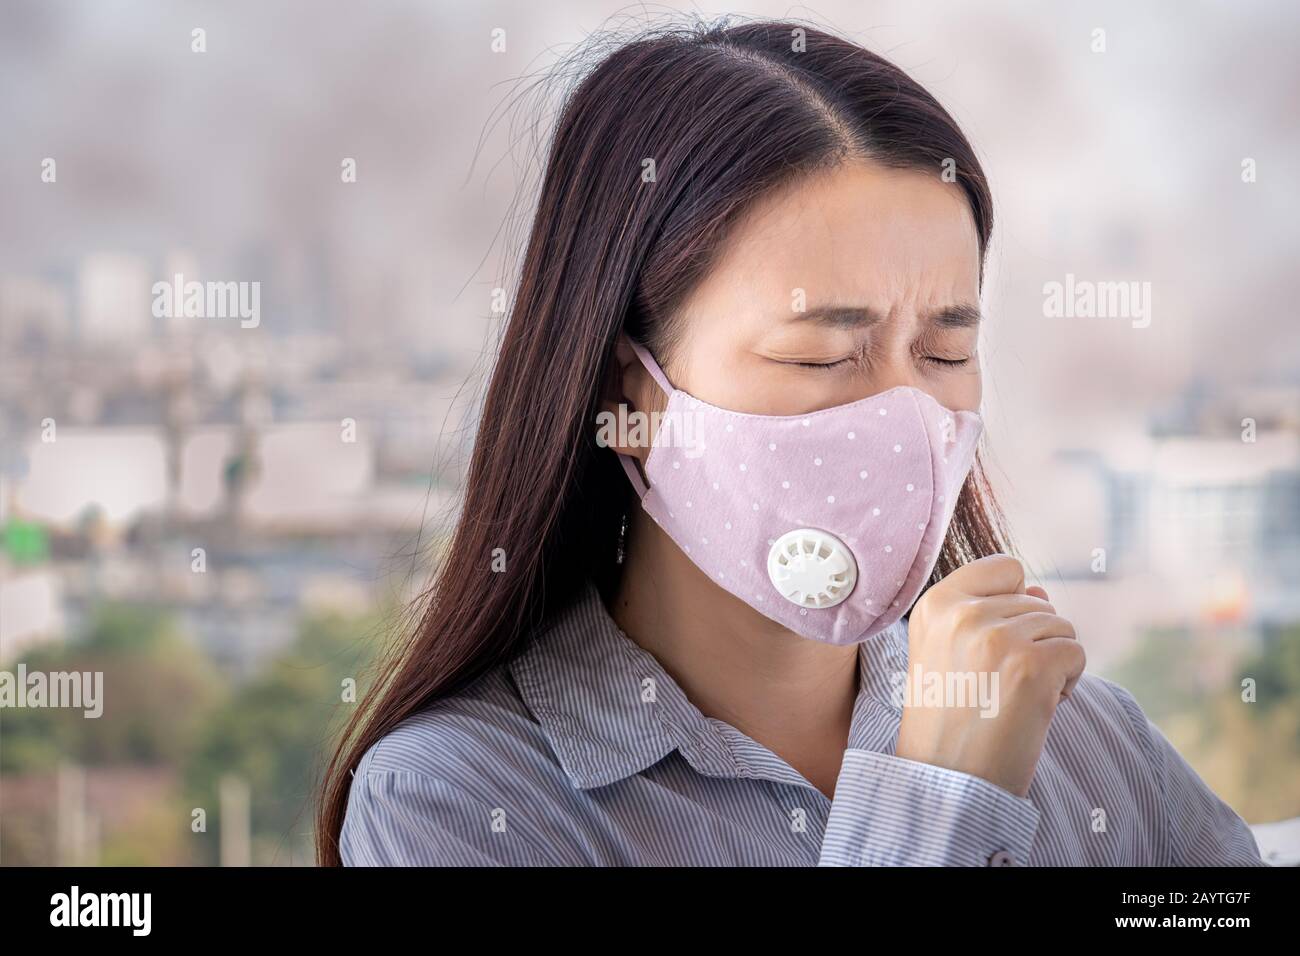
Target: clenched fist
{"points": [[981, 619]]}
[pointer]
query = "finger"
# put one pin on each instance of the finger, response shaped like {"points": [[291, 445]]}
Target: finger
{"points": [[1013, 605], [995, 574], [1066, 658], [1037, 592], [1039, 625]]}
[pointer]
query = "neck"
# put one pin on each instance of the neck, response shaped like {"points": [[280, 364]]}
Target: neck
{"points": [[792, 695]]}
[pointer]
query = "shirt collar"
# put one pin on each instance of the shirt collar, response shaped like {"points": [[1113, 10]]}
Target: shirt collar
{"points": [[610, 710]]}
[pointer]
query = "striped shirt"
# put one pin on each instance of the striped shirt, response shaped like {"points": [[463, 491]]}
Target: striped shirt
{"points": [[582, 751]]}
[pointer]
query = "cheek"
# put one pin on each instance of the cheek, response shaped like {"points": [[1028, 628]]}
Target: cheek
{"points": [[961, 392], [712, 361]]}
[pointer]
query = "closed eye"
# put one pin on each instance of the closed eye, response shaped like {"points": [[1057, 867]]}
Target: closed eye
{"points": [[822, 365], [950, 363]]}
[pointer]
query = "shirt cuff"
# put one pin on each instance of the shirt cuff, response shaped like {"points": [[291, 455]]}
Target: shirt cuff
{"points": [[890, 811]]}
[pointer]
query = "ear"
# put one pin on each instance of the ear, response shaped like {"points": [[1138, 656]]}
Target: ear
{"points": [[629, 397]]}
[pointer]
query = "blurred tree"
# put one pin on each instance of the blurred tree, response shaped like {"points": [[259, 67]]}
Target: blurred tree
{"points": [[1275, 670], [1248, 752], [150, 839], [157, 690], [1164, 672], [273, 733]]}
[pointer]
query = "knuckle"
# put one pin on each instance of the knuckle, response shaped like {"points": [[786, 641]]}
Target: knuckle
{"points": [[1080, 655], [1006, 563], [1062, 626], [965, 614], [1018, 668], [995, 640]]}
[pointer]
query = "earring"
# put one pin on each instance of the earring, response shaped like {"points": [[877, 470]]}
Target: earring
{"points": [[622, 538]]}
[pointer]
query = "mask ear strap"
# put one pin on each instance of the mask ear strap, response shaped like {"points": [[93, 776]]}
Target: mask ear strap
{"points": [[652, 366], [627, 461], [633, 475]]}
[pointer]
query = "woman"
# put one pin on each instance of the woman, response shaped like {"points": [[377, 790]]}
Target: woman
{"points": [[728, 443]]}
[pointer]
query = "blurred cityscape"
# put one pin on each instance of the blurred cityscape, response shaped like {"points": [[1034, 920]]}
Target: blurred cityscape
{"points": [[221, 520], [196, 507], [293, 459], [227, 518]]}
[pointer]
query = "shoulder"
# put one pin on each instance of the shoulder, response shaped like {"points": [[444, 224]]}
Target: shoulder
{"points": [[1111, 751], [461, 737], [1102, 753], [1103, 721], [1111, 707], [439, 787]]}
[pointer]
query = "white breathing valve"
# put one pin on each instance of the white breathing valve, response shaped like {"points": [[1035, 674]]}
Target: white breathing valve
{"points": [[811, 568]]}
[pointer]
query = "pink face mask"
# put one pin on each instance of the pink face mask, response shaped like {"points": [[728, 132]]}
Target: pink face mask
{"points": [[829, 523]]}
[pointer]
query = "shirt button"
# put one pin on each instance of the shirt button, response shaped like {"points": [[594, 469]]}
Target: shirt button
{"points": [[1002, 858]]}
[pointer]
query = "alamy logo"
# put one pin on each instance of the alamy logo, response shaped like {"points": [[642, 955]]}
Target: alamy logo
{"points": [[1085, 299], [76, 690], [921, 688], [208, 300], [75, 908], [640, 430]]}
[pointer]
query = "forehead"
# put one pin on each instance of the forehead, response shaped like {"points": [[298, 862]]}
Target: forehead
{"points": [[853, 235]]}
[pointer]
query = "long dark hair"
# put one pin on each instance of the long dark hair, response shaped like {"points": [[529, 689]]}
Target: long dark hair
{"points": [[727, 113]]}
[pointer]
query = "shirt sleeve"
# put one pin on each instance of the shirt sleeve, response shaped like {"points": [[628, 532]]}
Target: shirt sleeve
{"points": [[1203, 830], [410, 819], [890, 811]]}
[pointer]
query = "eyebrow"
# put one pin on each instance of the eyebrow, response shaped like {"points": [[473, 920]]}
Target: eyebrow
{"points": [[841, 317], [961, 316]]}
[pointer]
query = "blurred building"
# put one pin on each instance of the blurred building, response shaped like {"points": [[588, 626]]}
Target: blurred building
{"points": [[114, 300]]}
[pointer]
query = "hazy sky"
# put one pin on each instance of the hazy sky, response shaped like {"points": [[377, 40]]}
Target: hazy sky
{"points": [[1122, 165]]}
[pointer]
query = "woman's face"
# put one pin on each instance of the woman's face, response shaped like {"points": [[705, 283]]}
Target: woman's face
{"points": [[846, 284]]}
